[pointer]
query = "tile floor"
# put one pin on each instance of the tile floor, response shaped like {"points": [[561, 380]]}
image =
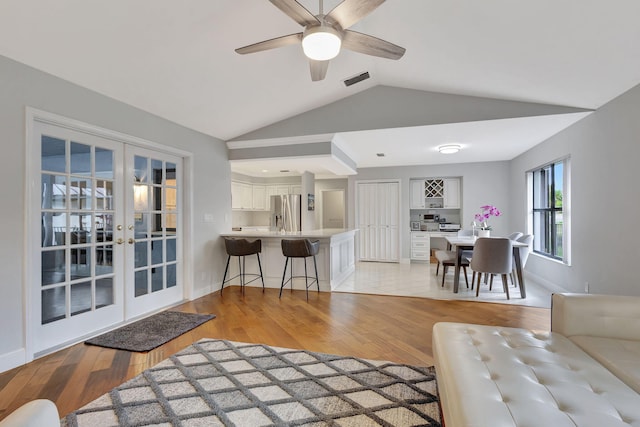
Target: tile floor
{"points": [[419, 280]]}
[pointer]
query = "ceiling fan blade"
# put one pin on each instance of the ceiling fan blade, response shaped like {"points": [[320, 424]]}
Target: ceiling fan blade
{"points": [[318, 69], [369, 45], [296, 11], [349, 12], [270, 44]]}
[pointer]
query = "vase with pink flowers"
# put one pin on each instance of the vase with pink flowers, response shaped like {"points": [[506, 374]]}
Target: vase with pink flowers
{"points": [[481, 225]]}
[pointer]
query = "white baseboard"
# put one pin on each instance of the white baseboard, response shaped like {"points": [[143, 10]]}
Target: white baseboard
{"points": [[205, 290], [13, 359], [550, 286]]}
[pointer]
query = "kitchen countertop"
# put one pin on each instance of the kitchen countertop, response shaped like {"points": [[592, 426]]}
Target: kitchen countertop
{"points": [[322, 233]]}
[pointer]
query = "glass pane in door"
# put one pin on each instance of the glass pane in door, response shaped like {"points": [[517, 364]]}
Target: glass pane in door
{"points": [[77, 210], [155, 202]]}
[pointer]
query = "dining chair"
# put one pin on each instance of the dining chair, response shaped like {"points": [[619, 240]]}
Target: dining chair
{"points": [[493, 256], [515, 236], [448, 259], [524, 254], [465, 254]]}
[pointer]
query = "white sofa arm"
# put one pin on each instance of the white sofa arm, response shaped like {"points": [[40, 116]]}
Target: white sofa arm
{"points": [[37, 413], [609, 316]]}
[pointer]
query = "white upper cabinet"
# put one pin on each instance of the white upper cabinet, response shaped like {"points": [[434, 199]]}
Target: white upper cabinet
{"points": [[416, 187], [451, 194], [259, 197], [439, 193], [241, 196]]}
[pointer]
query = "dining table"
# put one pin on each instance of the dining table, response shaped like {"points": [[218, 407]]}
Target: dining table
{"points": [[465, 243]]}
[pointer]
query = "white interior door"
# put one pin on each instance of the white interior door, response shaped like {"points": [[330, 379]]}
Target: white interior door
{"points": [[154, 231], [105, 234], [80, 205], [378, 218]]}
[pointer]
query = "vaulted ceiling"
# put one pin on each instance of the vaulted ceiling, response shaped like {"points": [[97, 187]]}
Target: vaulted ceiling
{"points": [[177, 59]]}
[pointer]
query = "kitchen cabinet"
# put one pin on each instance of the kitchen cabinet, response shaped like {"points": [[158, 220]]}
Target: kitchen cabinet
{"points": [[241, 196], [259, 197], [416, 197], [420, 246], [442, 193], [451, 193], [378, 219]]}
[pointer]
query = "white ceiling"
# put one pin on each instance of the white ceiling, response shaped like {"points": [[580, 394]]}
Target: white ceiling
{"points": [[177, 60]]}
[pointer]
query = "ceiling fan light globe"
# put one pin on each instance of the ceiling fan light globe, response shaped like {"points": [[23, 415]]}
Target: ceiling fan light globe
{"points": [[321, 43]]}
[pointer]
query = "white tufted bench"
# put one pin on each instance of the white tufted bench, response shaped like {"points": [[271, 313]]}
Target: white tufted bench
{"points": [[498, 376]]}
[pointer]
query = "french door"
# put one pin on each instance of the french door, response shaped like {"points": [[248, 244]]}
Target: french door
{"points": [[106, 235]]}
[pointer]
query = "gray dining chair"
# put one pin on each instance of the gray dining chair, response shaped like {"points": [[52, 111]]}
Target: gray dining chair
{"points": [[515, 236], [524, 254], [492, 256], [448, 258]]}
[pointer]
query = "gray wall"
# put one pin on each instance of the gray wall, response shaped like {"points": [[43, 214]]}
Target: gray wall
{"points": [[382, 107], [21, 86], [605, 198], [482, 183]]}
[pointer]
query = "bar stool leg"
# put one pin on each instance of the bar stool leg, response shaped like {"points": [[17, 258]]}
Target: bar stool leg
{"points": [[291, 273], [240, 271], [284, 274], [315, 266], [260, 267], [306, 279], [224, 278]]}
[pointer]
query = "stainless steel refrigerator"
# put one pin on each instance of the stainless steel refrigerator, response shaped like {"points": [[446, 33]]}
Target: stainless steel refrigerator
{"points": [[286, 212]]}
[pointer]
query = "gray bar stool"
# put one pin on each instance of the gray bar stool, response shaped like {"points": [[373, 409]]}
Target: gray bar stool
{"points": [[241, 248], [300, 248]]}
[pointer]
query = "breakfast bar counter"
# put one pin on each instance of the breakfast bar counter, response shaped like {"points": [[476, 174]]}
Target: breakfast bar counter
{"points": [[335, 259]]}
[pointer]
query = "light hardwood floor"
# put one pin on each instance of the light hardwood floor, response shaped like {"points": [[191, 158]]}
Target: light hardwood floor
{"points": [[369, 326]]}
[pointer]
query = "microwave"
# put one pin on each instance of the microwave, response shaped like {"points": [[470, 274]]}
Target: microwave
{"points": [[431, 217]]}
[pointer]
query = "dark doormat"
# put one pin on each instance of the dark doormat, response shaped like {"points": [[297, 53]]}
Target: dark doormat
{"points": [[149, 333]]}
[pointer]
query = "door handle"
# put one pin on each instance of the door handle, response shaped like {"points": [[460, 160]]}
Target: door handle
{"points": [[120, 241], [131, 240]]}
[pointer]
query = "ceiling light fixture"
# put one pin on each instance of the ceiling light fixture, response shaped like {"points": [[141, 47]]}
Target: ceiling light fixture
{"points": [[449, 148], [321, 43]]}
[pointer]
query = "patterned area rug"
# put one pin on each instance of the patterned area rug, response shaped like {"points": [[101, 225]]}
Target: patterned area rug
{"points": [[149, 333], [224, 383]]}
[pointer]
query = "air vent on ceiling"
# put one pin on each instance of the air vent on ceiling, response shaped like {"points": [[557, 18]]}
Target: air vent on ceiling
{"points": [[353, 80]]}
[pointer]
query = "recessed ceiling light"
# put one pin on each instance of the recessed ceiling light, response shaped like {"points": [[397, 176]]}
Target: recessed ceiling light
{"points": [[449, 148], [265, 170], [380, 154]]}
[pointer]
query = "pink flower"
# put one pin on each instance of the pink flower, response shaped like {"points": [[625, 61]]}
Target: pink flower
{"points": [[487, 212]]}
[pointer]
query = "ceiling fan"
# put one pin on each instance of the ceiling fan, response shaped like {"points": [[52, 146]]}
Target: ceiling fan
{"points": [[324, 35]]}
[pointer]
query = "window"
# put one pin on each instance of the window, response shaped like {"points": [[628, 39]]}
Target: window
{"points": [[549, 213]]}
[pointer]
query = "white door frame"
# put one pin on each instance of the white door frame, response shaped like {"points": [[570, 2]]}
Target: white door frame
{"points": [[32, 179]]}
